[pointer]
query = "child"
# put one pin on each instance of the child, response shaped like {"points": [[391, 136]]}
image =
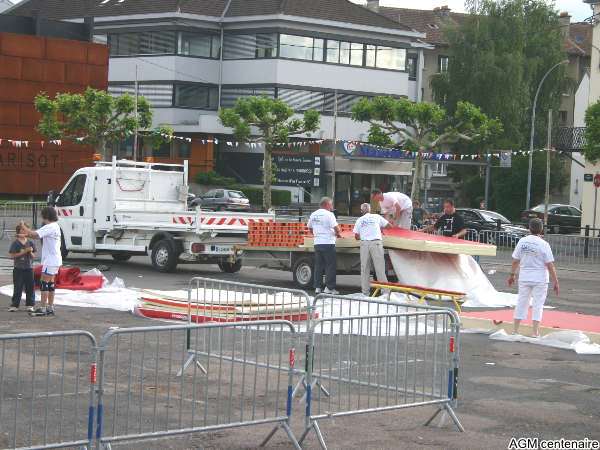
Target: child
{"points": [[22, 251], [51, 258], [533, 257]]}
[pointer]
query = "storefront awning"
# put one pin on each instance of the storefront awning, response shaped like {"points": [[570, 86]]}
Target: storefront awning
{"points": [[369, 166]]}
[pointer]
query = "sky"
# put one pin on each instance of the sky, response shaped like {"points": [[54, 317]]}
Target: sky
{"points": [[579, 11]]}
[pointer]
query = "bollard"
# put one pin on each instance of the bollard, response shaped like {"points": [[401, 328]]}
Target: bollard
{"points": [[586, 242]]}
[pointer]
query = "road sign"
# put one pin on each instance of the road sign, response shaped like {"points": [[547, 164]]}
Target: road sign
{"points": [[597, 180]]}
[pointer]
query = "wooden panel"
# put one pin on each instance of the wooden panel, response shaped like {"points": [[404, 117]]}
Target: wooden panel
{"points": [[10, 67], [54, 71], [66, 50], [9, 114], [77, 74], [33, 69]]}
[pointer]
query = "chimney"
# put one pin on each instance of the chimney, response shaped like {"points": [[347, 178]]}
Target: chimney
{"points": [[442, 11], [373, 5], [564, 20]]}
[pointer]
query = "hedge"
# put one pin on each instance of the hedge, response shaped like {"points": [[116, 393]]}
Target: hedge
{"points": [[255, 195]]}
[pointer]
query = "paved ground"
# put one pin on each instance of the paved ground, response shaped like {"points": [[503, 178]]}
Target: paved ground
{"points": [[506, 389]]}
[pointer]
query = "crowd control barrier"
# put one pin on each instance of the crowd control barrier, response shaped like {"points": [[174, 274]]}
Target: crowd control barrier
{"points": [[401, 357], [140, 397], [47, 389]]}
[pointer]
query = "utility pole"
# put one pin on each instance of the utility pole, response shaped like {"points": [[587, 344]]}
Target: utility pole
{"points": [[547, 194], [488, 175], [135, 135], [335, 114]]}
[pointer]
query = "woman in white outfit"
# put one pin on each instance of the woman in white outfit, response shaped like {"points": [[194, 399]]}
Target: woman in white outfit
{"points": [[534, 260]]}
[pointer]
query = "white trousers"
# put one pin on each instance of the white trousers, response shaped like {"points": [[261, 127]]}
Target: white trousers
{"points": [[536, 292], [405, 219], [371, 254]]}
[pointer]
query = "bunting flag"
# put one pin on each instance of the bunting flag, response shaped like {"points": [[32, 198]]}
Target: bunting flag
{"points": [[296, 145]]}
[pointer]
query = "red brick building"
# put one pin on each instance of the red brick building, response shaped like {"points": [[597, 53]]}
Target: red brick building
{"points": [[29, 65]]}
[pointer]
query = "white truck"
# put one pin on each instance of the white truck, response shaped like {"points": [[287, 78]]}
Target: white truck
{"points": [[125, 208]]}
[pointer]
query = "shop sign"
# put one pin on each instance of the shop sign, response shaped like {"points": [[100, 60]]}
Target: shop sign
{"points": [[20, 160], [297, 170]]}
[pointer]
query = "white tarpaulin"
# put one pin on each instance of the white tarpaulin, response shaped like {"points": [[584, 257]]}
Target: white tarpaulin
{"points": [[567, 339], [112, 296], [459, 273]]}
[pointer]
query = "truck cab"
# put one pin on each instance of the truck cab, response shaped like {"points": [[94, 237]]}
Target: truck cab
{"points": [[126, 208]]}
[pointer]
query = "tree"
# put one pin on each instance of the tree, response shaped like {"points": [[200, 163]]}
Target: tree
{"points": [[498, 55], [422, 127], [268, 121], [591, 150], [96, 118]]}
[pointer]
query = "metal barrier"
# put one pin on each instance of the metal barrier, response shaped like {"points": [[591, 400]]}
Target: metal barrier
{"points": [[139, 396], [11, 213], [211, 300], [572, 251], [382, 362], [47, 389]]}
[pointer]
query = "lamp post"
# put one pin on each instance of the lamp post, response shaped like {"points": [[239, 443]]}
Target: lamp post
{"points": [[537, 93]]}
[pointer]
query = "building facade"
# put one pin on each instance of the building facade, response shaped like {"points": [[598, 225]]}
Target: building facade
{"points": [[191, 58], [31, 64]]}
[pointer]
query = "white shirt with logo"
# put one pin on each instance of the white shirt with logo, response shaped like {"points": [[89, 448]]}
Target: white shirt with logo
{"points": [[369, 226], [390, 199], [50, 234], [533, 254], [322, 223]]}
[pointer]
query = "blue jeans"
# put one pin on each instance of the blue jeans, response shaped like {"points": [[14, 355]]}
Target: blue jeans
{"points": [[325, 263]]}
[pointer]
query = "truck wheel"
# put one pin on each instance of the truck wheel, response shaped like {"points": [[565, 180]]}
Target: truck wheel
{"points": [[121, 256], [304, 272], [164, 256], [229, 267]]}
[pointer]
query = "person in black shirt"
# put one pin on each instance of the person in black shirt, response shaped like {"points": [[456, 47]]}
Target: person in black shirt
{"points": [[450, 223], [22, 251]]}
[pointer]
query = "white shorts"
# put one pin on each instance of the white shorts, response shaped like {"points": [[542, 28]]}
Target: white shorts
{"points": [[50, 270], [536, 292]]}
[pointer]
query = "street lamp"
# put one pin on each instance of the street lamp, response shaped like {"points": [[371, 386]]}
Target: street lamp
{"points": [[528, 202]]}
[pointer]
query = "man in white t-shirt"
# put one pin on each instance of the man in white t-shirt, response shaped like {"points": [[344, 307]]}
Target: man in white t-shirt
{"points": [[323, 225], [51, 258], [534, 260], [367, 230], [396, 207]]}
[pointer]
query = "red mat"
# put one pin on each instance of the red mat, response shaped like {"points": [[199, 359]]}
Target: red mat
{"points": [[420, 236], [199, 318], [71, 278], [551, 319]]}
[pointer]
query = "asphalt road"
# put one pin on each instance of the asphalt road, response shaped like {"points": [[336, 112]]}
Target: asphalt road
{"points": [[506, 389]]}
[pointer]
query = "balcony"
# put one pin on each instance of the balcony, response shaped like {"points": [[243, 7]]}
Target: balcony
{"points": [[569, 139]]}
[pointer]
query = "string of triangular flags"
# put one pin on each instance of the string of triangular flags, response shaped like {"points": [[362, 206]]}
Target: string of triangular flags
{"points": [[394, 152], [21, 143]]}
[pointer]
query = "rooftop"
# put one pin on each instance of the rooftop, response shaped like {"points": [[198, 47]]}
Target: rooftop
{"points": [[334, 10]]}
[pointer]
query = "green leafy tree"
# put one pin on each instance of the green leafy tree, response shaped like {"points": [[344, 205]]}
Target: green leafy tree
{"points": [[422, 127], [268, 121], [96, 118], [591, 150], [498, 55]]}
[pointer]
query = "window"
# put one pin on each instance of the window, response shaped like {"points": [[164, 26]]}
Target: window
{"points": [[574, 211], [333, 51], [249, 46], [219, 193], [562, 118], [470, 216], [229, 95], [73, 193], [300, 47], [443, 64], [184, 148], [411, 66], [439, 169], [163, 150], [195, 44], [385, 57], [146, 43], [345, 52], [196, 96], [124, 149], [564, 211]]}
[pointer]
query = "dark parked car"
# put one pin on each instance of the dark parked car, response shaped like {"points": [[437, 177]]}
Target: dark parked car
{"points": [[561, 218], [223, 200], [492, 227]]}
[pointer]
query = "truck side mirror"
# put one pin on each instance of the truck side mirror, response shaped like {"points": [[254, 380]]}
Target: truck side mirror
{"points": [[51, 198]]}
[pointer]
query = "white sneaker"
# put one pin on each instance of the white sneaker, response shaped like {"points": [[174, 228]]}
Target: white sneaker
{"points": [[331, 292], [317, 291]]}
